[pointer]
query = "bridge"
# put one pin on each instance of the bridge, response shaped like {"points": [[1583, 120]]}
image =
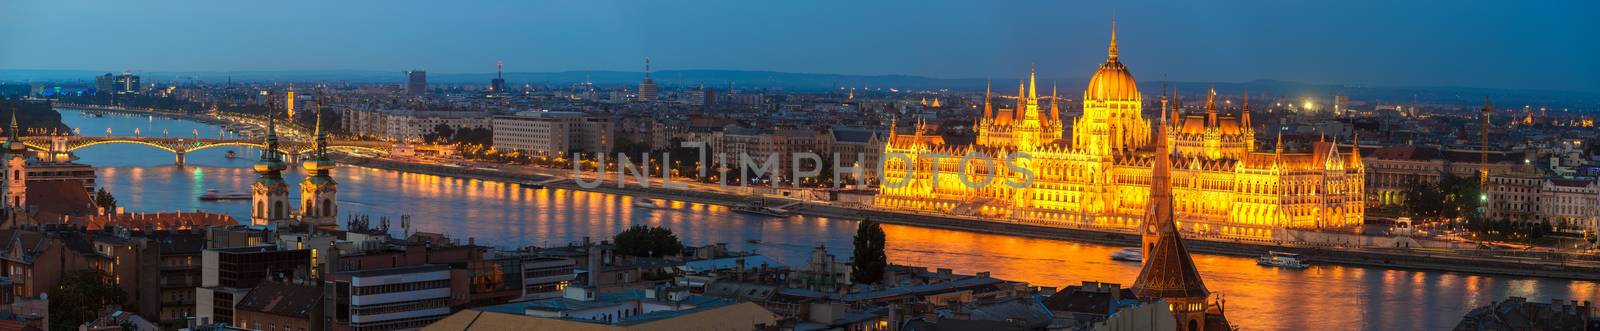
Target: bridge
{"points": [[182, 146]]}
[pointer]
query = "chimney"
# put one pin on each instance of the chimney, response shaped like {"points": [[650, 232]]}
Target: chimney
{"points": [[594, 262]]}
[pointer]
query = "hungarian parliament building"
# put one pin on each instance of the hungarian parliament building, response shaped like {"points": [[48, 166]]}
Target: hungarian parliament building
{"points": [[1098, 176]]}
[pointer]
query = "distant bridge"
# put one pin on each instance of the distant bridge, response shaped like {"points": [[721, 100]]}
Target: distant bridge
{"points": [[182, 146]]}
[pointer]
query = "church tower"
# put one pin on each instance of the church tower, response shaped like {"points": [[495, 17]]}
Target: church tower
{"points": [[16, 168], [1169, 273], [318, 191], [269, 195]]}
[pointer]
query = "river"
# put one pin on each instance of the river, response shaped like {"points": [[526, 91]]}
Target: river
{"points": [[1332, 297]]}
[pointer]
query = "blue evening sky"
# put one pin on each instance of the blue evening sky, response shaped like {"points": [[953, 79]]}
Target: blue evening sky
{"points": [[1501, 44]]}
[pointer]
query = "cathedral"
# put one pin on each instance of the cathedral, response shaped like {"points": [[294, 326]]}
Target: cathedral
{"points": [[1099, 174]]}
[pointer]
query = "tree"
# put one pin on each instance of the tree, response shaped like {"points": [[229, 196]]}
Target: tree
{"points": [[105, 200], [79, 298], [869, 262], [648, 241]]}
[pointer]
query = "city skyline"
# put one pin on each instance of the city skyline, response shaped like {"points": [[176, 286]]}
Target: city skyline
{"points": [[1363, 43]]}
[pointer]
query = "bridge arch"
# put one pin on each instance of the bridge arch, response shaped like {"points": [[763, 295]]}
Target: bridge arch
{"points": [[205, 146], [120, 141]]}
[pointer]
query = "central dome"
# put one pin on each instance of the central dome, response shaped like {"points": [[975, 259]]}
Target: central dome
{"points": [[1112, 82]]}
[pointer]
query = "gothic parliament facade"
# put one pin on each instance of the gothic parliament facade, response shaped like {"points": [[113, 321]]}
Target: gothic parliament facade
{"points": [[1099, 174]]}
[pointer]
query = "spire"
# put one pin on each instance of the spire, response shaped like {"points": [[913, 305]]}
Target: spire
{"points": [[1022, 94], [647, 68], [1055, 102], [1211, 106], [988, 109], [1111, 53], [1355, 150], [321, 137], [14, 123], [1244, 115], [1032, 86], [499, 72], [1279, 148]]}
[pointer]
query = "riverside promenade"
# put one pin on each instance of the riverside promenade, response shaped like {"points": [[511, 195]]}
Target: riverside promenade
{"points": [[1484, 261]]}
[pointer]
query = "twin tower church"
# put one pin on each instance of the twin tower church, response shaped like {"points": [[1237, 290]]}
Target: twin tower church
{"points": [[269, 195], [1099, 175]]}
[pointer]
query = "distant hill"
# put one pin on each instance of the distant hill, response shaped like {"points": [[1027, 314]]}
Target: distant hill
{"points": [[809, 82]]}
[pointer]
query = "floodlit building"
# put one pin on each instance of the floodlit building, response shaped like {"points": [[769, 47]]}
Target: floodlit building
{"points": [[1098, 175]]}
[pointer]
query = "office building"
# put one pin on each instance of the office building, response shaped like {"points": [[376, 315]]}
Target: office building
{"points": [[416, 82], [554, 133]]}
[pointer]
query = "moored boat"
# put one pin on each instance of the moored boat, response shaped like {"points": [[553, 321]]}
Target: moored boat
{"points": [[645, 203], [763, 211], [1282, 260], [1131, 254]]}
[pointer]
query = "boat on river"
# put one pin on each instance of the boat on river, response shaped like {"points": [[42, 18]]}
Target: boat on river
{"points": [[1130, 254], [1282, 260], [646, 203], [214, 195], [759, 210]]}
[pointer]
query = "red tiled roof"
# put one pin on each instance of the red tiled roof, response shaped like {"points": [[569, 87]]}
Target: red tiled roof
{"points": [[55, 198]]}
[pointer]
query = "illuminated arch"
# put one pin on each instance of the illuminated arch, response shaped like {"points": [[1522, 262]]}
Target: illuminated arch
{"points": [[93, 143], [206, 146], [36, 147]]}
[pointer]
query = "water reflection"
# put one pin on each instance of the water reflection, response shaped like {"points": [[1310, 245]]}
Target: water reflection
{"points": [[505, 215]]}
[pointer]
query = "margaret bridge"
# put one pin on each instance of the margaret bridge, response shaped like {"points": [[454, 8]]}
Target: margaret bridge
{"points": [[179, 147]]}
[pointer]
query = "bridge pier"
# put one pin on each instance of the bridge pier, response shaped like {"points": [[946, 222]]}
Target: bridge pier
{"points": [[179, 158]]}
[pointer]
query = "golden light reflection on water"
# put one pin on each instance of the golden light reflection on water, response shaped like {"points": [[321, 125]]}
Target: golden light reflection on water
{"points": [[1259, 298]]}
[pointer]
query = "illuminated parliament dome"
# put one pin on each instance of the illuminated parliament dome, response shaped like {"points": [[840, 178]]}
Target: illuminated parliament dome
{"points": [[1112, 82]]}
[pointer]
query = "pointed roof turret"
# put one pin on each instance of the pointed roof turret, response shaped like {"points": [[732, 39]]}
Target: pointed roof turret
{"points": [[1279, 147], [1022, 101], [1211, 106], [1169, 271], [13, 142], [1032, 85], [1355, 150], [1111, 52], [1055, 102], [1244, 114]]}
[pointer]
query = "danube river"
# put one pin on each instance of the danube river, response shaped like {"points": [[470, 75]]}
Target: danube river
{"points": [[144, 179]]}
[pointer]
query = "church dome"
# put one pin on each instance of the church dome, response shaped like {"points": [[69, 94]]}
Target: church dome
{"points": [[1112, 82]]}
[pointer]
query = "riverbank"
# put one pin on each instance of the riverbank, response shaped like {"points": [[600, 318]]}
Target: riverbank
{"points": [[1487, 263]]}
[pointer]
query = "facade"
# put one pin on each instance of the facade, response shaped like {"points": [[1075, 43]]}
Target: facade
{"points": [[416, 82], [228, 274], [1098, 175], [403, 298], [111, 84], [406, 124], [1571, 203], [547, 277], [554, 133]]}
